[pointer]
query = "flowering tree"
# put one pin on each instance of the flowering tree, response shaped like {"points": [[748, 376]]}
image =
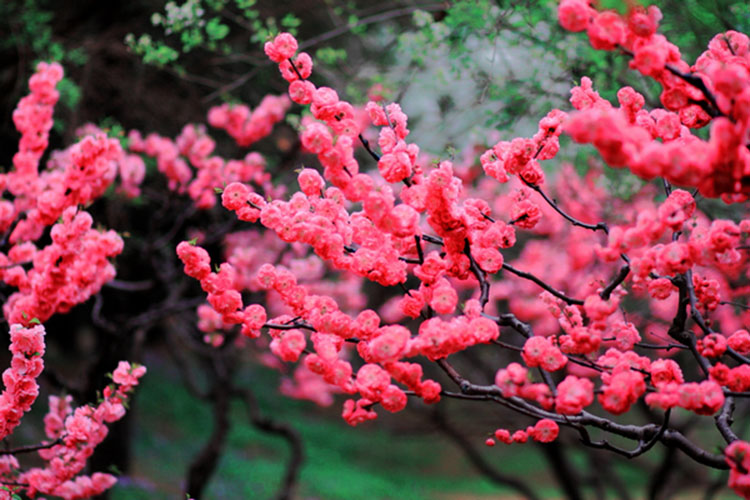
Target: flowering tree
{"points": [[586, 307]]}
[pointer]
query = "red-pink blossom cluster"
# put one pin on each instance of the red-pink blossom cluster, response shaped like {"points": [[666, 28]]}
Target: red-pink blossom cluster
{"points": [[623, 380], [544, 431], [64, 273], [738, 458], [21, 389], [704, 398], [736, 379], [514, 380], [194, 147], [715, 89], [521, 156], [573, 395], [382, 347], [33, 118], [657, 280], [79, 431], [398, 161], [439, 338], [540, 351], [76, 176], [247, 127], [349, 241]]}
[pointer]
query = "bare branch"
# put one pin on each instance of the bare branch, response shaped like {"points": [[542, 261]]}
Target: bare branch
{"points": [[531, 277], [31, 448]]}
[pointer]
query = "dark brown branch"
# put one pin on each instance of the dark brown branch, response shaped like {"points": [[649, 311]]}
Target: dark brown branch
{"points": [[290, 435], [658, 479], [506, 345], [234, 84], [724, 420], [624, 271], [657, 346], [531, 277], [737, 356], [130, 286], [433, 239], [367, 147], [480, 275], [290, 326], [203, 465], [168, 308], [294, 67], [645, 433], [31, 448], [564, 474], [600, 226], [14, 483], [677, 329], [697, 82], [187, 374], [420, 251], [510, 319], [409, 260], [735, 304]]}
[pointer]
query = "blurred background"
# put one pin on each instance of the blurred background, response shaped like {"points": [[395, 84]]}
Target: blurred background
{"points": [[467, 73]]}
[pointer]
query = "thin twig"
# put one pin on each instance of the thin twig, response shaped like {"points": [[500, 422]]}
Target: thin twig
{"points": [[553, 291], [600, 226], [31, 448]]}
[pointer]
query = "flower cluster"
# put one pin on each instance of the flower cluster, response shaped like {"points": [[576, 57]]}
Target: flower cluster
{"points": [[33, 118], [521, 156], [21, 389], [716, 88], [544, 431], [74, 435], [79, 431], [65, 273], [194, 147], [738, 458], [52, 278], [247, 127], [679, 264]]}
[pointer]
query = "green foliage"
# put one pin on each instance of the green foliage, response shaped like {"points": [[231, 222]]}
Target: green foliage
{"points": [[70, 93], [330, 56], [205, 25], [156, 53], [114, 129], [13, 496], [290, 22], [27, 25], [216, 30], [293, 120]]}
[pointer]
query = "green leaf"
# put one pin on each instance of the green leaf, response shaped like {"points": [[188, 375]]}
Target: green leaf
{"points": [[216, 30]]}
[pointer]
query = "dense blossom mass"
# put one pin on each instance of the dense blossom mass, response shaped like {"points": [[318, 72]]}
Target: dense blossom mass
{"points": [[53, 271], [590, 305], [673, 257]]}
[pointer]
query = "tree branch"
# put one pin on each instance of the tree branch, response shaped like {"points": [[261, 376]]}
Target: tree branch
{"points": [[531, 277]]}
